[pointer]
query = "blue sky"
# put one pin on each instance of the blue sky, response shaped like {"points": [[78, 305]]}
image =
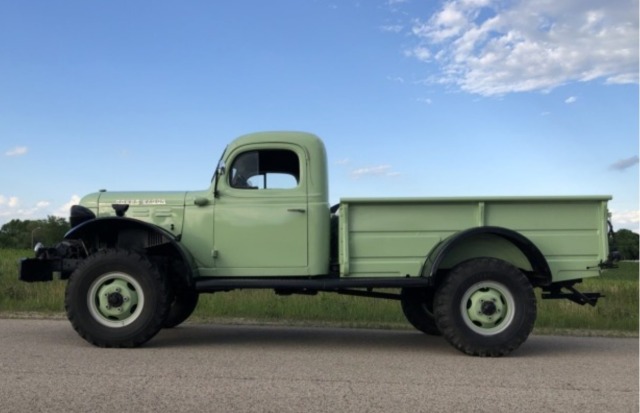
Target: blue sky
{"points": [[412, 98]]}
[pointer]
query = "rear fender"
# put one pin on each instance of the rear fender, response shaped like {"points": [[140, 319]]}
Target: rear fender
{"points": [[495, 242]]}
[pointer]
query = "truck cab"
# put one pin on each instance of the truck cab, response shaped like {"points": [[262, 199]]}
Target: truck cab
{"points": [[269, 204]]}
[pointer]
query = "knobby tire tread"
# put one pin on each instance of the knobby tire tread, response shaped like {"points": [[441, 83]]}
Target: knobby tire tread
{"points": [[87, 332], [448, 317]]}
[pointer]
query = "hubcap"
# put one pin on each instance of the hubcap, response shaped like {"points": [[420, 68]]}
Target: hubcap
{"points": [[115, 299], [487, 308]]}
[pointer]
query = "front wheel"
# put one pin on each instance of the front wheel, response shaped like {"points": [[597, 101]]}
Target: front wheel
{"points": [[485, 307], [117, 298]]}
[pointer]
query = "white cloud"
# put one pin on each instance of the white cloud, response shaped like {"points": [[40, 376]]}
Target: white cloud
{"points": [[392, 28], [63, 211], [622, 79], [369, 171], [397, 79], [492, 47], [394, 2], [11, 207], [626, 219], [570, 100], [342, 162], [624, 164], [425, 100], [420, 53], [9, 202], [17, 151]]}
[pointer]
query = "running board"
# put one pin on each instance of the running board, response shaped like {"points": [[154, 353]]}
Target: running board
{"points": [[317, 284]]}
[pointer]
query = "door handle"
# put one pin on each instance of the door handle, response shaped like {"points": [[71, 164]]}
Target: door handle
{"points": [[200, 201], [300, 210]]}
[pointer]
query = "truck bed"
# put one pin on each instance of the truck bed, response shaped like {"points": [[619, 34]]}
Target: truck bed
{"points": [[391, 237]]}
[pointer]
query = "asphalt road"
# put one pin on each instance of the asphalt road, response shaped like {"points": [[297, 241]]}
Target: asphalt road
{"points": [[46, 367]]}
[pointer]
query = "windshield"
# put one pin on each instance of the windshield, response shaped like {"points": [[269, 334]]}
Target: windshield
{"points": [[220, 165]]}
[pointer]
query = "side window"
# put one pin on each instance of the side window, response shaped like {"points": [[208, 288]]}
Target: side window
{"points": [[266, 169]]}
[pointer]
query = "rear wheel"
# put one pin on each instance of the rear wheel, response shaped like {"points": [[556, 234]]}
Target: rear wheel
{"points": [[417, 306], [183, 305], [117, 298], [485, 307]]}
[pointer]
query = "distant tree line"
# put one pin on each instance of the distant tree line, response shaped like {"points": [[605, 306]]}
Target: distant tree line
{"points": [[25, 234], [20, 234], [625, 244]]}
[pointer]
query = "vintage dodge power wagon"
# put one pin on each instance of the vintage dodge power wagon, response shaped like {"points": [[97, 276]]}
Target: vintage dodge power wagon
{"points": [[463, 268]]}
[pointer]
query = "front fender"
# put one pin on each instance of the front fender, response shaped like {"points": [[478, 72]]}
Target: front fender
{"points": [[127, 233], [443, 252]]}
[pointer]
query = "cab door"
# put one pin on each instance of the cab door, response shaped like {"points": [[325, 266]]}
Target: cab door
{"points": [[261, 213]]}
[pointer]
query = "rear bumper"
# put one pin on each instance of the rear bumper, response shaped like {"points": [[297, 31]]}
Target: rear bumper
{"points": [[555, 291]]}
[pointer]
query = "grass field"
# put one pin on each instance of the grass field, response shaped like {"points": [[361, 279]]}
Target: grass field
{"points": [[617, 314]]}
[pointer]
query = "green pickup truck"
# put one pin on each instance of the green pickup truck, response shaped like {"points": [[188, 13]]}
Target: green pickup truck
{"points": [[463, 268]]}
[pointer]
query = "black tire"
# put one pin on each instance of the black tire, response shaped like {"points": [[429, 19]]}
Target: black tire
{"points": [[183, 305], [417, 306], [485, 307], [117, 298]]}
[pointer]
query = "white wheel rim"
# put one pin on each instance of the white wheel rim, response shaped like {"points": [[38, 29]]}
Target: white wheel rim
{"points": [[488, 308], [115, 300]]}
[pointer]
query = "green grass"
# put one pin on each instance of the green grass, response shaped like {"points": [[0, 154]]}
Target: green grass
{"points": [[618, 311], [17, 296], [325, 308], [617, 314]]}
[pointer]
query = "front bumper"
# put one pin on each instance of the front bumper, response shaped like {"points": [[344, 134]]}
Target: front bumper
{"points": [[64, 258], [43, 269], [36, 269]]}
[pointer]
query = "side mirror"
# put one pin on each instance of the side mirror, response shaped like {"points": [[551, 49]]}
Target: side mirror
{"points": [[219, 173]]}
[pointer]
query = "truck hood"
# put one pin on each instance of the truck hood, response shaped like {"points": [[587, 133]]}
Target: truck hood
{"points": [[164, 209], [139, 199]]}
